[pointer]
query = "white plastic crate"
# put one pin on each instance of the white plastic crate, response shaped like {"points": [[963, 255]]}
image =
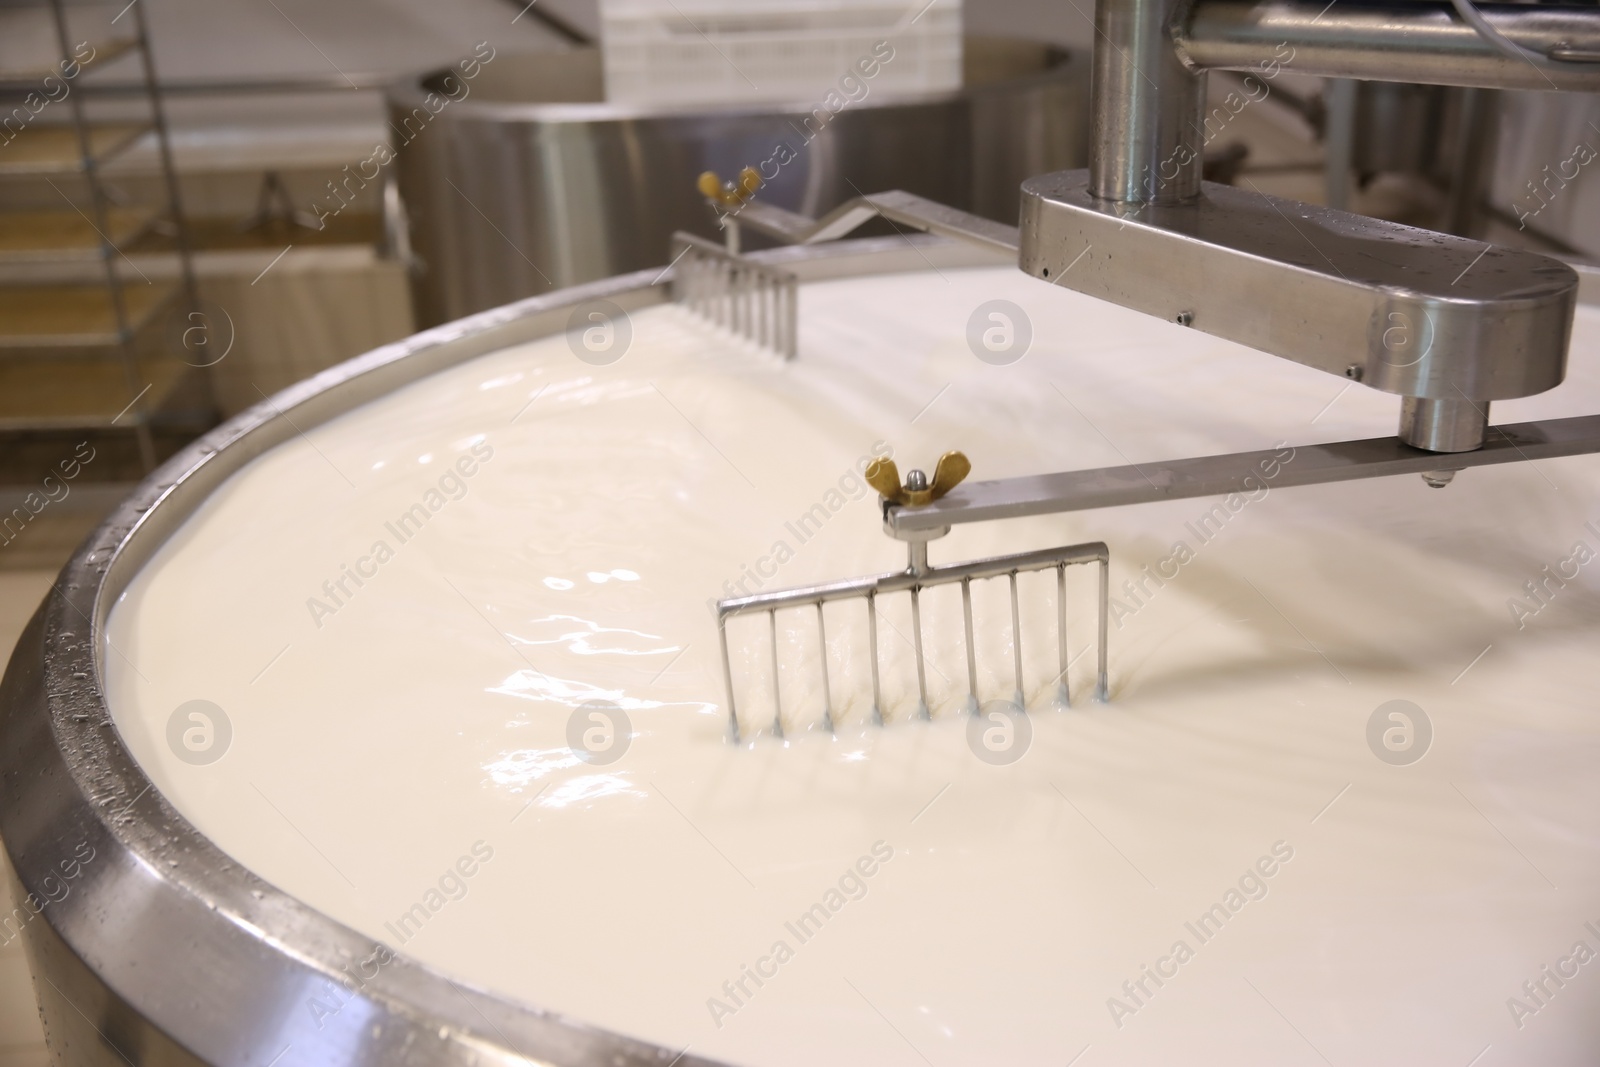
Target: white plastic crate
{"points": [[711, 52]]}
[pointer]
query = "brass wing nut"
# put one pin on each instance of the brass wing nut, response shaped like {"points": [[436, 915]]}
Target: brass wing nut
{"points": [[884, 476], [729, 194]]}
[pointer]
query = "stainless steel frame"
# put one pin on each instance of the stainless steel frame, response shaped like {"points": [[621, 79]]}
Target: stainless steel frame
{"points": [[920, 575], [1421, 40], [748, 298], [1344, 289], [160, 949], [532, 182]]}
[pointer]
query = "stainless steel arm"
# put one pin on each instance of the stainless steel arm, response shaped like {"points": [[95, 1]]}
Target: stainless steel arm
{"points": [[901, 208], [1421, 41], [1400, 309], [1240, 472]]}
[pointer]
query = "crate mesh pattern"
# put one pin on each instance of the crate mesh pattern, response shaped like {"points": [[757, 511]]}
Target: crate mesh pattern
{"points": [[715, 52]]}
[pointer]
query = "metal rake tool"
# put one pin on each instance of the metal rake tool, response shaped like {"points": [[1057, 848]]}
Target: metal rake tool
{"points": [[918, 576], [753, 300]]}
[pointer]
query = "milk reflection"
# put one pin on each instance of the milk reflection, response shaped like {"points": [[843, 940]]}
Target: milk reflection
{"points": [[534, 685], [588, 787], [527, 765], [581, 636]]}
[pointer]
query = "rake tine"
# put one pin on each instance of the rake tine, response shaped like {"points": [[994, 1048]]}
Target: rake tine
{"points": [[727, 679], [1103, 689], [761, 312], [916, 578], [916, 640], [791, 324], [872, 643], [754, 301], [741, 285], [972, 654], [777, 701], [1016, 643], [747, 301], [827, 698], [725, 298], [1063, 690]]}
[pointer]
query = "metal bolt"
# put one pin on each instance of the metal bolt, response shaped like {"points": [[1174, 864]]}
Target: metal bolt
{"points": [[1184, 318], [1353, 372], [916, 481], [1438, 479]]}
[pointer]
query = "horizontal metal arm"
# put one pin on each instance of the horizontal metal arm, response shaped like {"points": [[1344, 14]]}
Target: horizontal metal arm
{"points": [[1240, 472], [1419, 41], [904, 209]]}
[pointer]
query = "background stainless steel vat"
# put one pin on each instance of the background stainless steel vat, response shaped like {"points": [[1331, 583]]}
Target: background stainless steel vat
{"points": [[1540, 179], [531, 184]]}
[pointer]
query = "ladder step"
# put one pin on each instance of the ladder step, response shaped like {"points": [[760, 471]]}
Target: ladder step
{"points": [[76, 316]]}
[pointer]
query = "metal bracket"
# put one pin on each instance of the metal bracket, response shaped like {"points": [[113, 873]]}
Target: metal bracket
{"points": [[1399, 309], [905, 209]]}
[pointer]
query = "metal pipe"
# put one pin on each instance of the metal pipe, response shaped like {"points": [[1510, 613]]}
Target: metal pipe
{"points": [[1421, 41], [212, 88], [1147, 138], [1477, 127], [1339, 139]]}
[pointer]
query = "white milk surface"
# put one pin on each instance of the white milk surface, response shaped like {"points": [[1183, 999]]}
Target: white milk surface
{"points": [[388, 736]]}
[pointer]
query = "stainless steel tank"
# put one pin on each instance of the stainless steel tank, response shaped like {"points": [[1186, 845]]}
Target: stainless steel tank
{"points": [[529, 182], [148, 944]]}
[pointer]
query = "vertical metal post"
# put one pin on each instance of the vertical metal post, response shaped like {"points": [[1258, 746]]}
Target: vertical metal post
{"points": [[1148, 133], [1477, 124], [169, 170], [169, 174], [100, 209], [1339, 139]]}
